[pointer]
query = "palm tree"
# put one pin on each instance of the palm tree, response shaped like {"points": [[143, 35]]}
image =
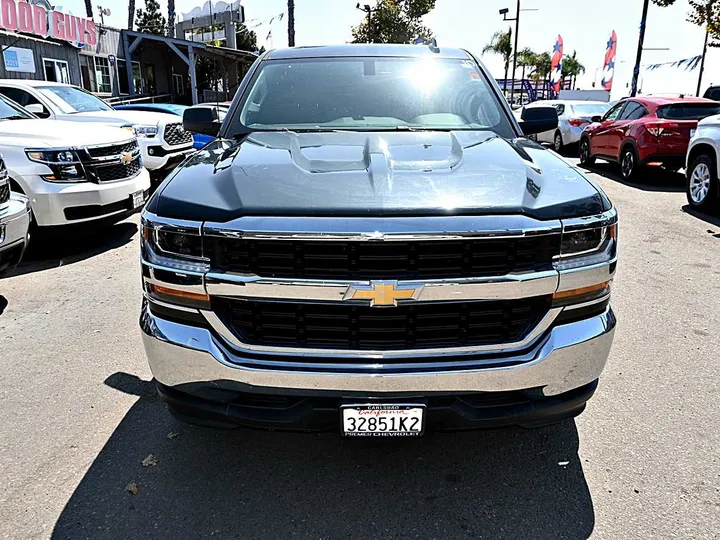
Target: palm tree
{"points": [[171, 18], [88, 8], [131, 14], [543, 66], [501, 43], [572, 67], [525, 58]]}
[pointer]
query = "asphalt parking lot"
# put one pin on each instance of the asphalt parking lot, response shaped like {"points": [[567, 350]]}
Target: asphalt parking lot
{"points": [[78, 415]]}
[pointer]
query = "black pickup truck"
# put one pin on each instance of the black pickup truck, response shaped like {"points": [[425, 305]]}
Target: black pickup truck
{"points": [[371, 246]]}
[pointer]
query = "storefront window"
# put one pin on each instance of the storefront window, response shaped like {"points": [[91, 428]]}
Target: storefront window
{"points": [[122, 76], [87, 71], [56, 70], [102, 75]]}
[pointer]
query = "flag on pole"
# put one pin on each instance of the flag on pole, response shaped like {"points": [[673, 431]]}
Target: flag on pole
{"points": [[556, 69], [609, 66]]}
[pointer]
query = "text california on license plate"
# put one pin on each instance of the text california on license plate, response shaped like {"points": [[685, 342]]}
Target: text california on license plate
{"points": [[383, 420], [138, 199]]}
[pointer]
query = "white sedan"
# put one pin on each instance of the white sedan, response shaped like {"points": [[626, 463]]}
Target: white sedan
{"points": [[573, 117]]}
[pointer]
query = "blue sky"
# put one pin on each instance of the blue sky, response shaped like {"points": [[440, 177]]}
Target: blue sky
{"points": [[584, 24]]}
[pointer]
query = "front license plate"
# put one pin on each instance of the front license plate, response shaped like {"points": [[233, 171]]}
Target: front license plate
{"points": [[138, 199], [692, 132], [383, 420]]}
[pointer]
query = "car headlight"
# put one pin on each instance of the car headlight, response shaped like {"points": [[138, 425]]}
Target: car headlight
{"points": [[173, 246], [142, 130], [587, 246], [65, 164]]}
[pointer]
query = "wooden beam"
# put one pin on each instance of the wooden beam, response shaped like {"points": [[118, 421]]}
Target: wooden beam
{"points": [[128, 64], [178, 52], [193, 78], [135, 43]]}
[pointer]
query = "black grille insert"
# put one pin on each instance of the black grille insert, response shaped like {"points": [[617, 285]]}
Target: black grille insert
{"points": [[384, 260], [176, 135], [113, 150], [110, 173], [407, 326], [4, 193]]}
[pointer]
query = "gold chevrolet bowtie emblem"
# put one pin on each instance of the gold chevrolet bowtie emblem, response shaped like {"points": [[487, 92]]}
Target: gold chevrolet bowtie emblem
{"points": [[382, 293], [126, 158]]}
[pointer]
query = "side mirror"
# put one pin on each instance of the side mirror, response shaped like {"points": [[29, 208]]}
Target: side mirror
{"points": [[538, 119], [596, 119], [202, 120], [38, 110]]}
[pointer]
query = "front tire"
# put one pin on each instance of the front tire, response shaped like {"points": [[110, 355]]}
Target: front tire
{"points": [[558, 145], [702, 183], [585, 157], [629, 165]]}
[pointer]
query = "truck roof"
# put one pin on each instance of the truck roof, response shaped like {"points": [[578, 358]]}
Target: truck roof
{"points": [[366, 49]]}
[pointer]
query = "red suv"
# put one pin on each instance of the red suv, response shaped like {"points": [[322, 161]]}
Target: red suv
{"points": [[645, 130]]}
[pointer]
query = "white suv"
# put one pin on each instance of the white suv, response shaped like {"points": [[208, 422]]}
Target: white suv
{"points": [[703, 165], [163, 141], [70, 173]]}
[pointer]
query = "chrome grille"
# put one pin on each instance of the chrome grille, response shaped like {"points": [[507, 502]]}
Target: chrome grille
{"points": [[113, 150], [111, 173], [175, 135], [105, 163]]}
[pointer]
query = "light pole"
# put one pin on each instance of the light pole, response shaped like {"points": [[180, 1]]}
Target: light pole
{"points": [[708, 12], [638, 56], [504, 13], [367, 9], [291, 23]]}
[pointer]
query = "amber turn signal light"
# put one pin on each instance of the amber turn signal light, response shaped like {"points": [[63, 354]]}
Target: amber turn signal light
{"points": [[591, 291], [177, 293]]}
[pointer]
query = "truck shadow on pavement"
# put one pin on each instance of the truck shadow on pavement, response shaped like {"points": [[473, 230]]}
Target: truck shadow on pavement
{"points": [[651, 179], [62, 248], [254, 484]]}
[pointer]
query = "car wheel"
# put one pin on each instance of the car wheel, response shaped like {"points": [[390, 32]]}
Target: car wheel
{"points": [[585, 157], [558, 143], [628, 163], [702, 183]]}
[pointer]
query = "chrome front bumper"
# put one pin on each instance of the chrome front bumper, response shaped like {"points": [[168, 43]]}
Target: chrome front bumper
{"points": [[14, 222], [567, 357]]}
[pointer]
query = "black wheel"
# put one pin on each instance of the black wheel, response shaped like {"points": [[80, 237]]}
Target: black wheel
{"points": [[629, 166], [585, 157], [558, 145], [702, 183]]}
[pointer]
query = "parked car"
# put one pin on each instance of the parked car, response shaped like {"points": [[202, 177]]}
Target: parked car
{"points": [[645, 130], [713, 93], [703, 160], [199, 139], [573, 117], [71, 174], [14, 223], [163, 141], [371, 247]]}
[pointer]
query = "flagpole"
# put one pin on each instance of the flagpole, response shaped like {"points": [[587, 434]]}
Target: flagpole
{"points": [[638, 57]]}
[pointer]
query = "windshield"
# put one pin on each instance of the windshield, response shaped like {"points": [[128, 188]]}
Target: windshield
{"points": [[593, 109], [371, 94], [69, 99], [10, 111], [688, 111]]}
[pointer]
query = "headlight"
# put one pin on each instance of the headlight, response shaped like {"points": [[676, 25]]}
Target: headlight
{"points": [[142, 130], [175, 246], [585, 247], [65, 164]]}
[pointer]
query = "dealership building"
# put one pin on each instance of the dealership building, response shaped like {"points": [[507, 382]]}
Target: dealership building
{"points": [[40, 42]]}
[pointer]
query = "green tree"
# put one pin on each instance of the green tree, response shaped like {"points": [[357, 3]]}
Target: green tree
{"points": [[246, 40], [394, 21], [703, 13], [543, 66], [501, 43], [526, 58], [572, 68], [151, 20]]}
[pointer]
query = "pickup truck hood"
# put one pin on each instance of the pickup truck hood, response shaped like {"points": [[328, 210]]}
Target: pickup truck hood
{"points": [[376, 174], [57, 133], [123, 118]]}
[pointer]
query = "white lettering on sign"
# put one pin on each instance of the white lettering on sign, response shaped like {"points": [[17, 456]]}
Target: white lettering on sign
{"points": [[43, 21]]}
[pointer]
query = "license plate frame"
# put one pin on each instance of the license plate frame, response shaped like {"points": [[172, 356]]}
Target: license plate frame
{"points": [[387, 412], [137, 199]]}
